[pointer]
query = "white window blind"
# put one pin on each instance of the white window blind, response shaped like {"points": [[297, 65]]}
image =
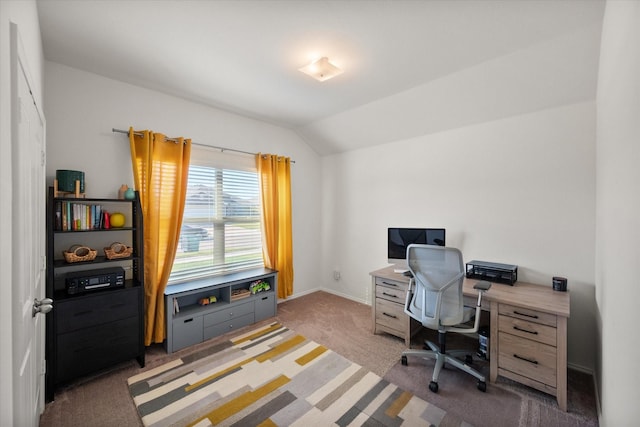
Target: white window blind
{"points": [[221, 225]]}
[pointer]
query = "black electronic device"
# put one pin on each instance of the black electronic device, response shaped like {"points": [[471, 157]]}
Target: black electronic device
{"points": [[399, 239], [492, 272], [79, 282], [559, 283]]}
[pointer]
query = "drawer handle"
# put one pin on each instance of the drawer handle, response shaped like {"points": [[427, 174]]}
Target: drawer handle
{"points": [[389, 295], [117, 305], [264, 298], [188, 320], [524, 330], [390, 315], [389, 284], [535, 362], [533, 316]]}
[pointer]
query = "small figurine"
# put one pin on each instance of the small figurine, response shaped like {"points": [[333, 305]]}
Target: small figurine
{"points": [[121, 191], [129, 194], [259, 286], [207, 300]]}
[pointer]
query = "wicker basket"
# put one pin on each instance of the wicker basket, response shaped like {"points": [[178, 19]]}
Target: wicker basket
{"points": [[79, 253], [118, 250]]}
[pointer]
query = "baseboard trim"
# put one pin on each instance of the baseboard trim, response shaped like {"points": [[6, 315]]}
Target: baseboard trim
{"points": [[340, 294], [300, 294], [580, 368]]}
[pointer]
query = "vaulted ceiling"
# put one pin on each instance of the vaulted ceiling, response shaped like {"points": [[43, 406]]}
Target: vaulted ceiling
{"points": [[410, 67]]}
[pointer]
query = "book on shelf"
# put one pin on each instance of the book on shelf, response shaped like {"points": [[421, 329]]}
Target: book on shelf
{"points": [[70, 216]]}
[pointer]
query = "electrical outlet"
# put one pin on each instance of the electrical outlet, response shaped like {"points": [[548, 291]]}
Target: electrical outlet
{"points": [[336, 275]]}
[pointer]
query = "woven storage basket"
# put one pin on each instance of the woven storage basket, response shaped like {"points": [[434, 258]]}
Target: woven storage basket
{"points": [[118, 250], [79, 253]]}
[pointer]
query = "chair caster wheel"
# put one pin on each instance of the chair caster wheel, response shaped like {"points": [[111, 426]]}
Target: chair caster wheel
{"points": [[482, 386], [403, 360], [433, 386]]}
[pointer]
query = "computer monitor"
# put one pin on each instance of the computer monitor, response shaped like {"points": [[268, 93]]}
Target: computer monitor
{"points": [[398, 239]]}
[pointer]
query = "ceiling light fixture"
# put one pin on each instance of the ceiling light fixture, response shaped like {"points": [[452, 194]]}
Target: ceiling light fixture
{"points": [[321, 69]]}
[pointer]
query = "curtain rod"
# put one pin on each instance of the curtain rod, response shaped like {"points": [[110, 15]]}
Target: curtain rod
{"points": [[193, 143]]}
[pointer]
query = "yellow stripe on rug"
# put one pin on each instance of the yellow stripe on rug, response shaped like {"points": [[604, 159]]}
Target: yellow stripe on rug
{"points": [[232, 407], [267, 423], [256, 334], [281, 348], [303, 360], [397, 406]]}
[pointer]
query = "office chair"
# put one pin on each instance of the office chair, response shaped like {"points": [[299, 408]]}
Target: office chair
{"points": [[435, 299]]}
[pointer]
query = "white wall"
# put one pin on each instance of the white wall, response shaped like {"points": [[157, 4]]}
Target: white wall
{"points": [[520, 190], [82, 108], [24, 14], [618, 213], [558, 71]]}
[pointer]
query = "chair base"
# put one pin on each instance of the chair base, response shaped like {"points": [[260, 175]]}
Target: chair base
{"points": [[448, 357]]}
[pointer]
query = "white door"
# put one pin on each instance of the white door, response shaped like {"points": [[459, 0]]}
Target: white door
{"points": [[28, 242]]}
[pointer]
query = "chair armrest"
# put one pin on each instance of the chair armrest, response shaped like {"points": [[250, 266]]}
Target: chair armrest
{"points": [[482, 286]]}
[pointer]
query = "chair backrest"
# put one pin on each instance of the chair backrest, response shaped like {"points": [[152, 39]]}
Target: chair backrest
{"points": [[435, 297]]}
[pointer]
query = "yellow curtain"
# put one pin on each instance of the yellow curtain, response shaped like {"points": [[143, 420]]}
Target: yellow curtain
{"points": [[274, 173], [160, 170]]}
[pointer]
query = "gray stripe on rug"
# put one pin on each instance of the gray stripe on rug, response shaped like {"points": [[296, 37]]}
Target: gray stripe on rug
{"points": [[319, 373], [329, 400], [265, 337], [280, 402], [186, 414]]}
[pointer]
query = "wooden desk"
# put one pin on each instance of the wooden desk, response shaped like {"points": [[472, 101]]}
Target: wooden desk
{"points": [[528, 331]]}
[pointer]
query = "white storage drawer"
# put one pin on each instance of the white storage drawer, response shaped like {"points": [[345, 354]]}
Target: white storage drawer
{"points": [[229, 313], [187, 331], [228, 326], [265, 306]]}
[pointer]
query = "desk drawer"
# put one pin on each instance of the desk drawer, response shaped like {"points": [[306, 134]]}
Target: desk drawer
{"points": [[392, 284], [390, 314], [528, 314], [527, 330], [391, 294], [527, 358]]}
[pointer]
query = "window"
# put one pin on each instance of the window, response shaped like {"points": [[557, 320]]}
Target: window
{"points": [[221, 223]]}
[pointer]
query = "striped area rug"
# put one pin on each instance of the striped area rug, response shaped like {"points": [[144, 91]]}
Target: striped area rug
{"points": [[272, 376]]}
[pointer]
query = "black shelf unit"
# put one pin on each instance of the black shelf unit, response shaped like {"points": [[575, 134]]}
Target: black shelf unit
{"points": [[92, 331]]}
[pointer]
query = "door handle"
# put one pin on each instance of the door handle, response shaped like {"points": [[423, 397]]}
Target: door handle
{"points": [[41, 306]]}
